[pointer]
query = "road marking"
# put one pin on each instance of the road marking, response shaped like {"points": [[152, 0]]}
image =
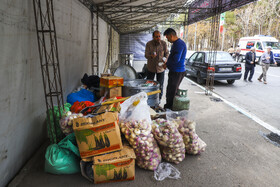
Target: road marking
{"points": [[199, 92], [268, 74], [243, 111]]}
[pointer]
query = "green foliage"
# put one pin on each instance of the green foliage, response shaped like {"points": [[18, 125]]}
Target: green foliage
{"points": [[230, 18], [102, 169], [82, 134]]}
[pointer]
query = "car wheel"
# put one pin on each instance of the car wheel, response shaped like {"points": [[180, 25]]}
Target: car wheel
{"points": [[230, 81], [241, 59], [199, 79]]}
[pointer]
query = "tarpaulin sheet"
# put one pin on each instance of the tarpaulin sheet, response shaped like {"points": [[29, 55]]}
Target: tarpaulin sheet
{"points": [[135, 43], [206, 8]]}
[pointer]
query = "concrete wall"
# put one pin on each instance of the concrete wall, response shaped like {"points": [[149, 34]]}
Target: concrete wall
{"points": [[104, 33], [22, 101]]}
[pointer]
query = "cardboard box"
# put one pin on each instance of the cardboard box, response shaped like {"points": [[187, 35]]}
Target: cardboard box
{"points": [[112, 167], [111, 92], [115, 107], [111, 81], [97, 135]]}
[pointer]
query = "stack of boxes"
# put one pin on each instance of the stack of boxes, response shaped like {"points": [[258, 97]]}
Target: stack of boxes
{"points": [[111, 86], [100, 144]]}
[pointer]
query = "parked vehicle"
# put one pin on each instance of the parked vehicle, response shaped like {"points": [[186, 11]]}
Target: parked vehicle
{"points": [[189, 53], [260, 42], [225, 69]]}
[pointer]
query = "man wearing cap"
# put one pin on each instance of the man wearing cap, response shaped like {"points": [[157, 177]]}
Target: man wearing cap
{"points": [[250, 64], [156, 53], [266, 58]]}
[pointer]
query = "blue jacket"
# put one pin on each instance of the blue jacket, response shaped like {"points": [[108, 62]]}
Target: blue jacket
{"points": [[249, 59], [264, 59], [272, 60], [176, 59]]}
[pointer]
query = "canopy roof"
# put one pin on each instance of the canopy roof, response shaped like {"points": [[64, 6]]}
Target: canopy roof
{"points": [[128, 16]]}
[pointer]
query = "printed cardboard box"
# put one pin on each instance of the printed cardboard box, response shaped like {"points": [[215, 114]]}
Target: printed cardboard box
{"points": [[111, 81], [97, 135], [111, 92], [114, 167], [111, 167]]}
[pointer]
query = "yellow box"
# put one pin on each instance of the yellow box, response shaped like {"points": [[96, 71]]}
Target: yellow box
{"points": [[111, 81]]}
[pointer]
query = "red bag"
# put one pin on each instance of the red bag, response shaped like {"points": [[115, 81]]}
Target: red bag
{"points": [[78, 106]]}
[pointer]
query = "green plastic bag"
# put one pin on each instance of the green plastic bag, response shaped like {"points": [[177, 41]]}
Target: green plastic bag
{"points": [[69, 142], [54, 131], [64, 157]]}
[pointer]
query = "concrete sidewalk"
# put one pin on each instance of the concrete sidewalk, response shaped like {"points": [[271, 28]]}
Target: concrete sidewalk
{"points": [[236, 155]]}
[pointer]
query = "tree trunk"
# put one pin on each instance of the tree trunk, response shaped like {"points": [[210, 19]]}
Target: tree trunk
{"points": [[269, 26]]}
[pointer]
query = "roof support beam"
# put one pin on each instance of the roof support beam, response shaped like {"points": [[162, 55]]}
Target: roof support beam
{"points": [[131, 22], [93, 8], [143, 9]]}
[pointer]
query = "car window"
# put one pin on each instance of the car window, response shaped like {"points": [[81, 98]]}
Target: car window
{"points": [[250, 44], [192, 58], [273, 45], [259, 46], [199, 58], [220, 56]]}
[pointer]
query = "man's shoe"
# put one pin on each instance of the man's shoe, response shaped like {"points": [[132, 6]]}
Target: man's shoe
{"points": [[260, 80], [265, 82], [250, 81], [245, 80]]}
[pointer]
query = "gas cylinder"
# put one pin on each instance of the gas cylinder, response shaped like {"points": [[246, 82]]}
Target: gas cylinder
{"points": [[181, 101]]}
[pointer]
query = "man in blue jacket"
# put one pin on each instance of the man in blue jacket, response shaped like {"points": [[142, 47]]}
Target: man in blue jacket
{"points": [[266, 59], [250, 64], [175, 64]]}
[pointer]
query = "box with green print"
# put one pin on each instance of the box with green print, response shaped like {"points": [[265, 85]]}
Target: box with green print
{"points": [[97, 135], [114, 167]]}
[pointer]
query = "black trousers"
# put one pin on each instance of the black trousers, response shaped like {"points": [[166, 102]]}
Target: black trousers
{"points": [[174, 81], [160, 79], [247, 70]]}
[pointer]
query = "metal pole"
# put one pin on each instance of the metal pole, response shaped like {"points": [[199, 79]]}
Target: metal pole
{"points": [[48, 53], [195, 37], [184, 38]]}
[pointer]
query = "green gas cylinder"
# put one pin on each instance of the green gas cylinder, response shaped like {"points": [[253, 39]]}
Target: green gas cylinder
{"points": [[181, 101]]}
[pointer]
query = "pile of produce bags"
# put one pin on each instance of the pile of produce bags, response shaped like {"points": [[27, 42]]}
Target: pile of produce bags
{"points": [[135, 124], [170, 140], [66, 122], [194, 145]]}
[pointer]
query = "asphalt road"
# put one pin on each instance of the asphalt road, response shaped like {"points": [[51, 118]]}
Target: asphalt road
{"points": [[257, 98]]}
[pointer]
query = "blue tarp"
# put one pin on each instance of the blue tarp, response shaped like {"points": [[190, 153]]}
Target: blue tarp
{"points": [[82, 95]]}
